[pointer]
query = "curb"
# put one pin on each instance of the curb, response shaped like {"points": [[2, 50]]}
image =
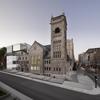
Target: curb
{"points": [[90, 92], [14, 93]]}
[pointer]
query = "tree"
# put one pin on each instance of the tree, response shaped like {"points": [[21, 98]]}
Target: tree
{"points": [[3, 58], [75, 67]]}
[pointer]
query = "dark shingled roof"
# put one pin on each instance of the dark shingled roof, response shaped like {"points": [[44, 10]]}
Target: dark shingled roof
{"points": [[91, 50], [47, 51]]}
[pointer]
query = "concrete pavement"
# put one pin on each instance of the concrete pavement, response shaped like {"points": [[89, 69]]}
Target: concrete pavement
{"points": [[14, 93], [84, 83], [41, 91]]}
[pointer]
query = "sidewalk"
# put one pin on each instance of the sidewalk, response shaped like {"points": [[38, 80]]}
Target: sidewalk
{"points": [[78, 82], [13, 94], [57, 79]]}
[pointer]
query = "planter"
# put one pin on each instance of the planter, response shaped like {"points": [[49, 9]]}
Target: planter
{"points": [[4, 96]]}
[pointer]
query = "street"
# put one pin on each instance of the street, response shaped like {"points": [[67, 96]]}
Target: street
{"points": [[40, 91]]}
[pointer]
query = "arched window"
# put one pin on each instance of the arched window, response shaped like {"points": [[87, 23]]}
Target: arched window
{"points": [[57, 30]]}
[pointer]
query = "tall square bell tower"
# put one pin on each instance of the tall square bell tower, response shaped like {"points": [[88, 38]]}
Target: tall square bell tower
{"points": [[58, 44]]}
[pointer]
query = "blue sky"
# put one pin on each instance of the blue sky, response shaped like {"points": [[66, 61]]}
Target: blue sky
{"points": [[29, 20]]}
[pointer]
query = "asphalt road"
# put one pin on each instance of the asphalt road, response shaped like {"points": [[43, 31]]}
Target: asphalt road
{"points": [[40, 91]]}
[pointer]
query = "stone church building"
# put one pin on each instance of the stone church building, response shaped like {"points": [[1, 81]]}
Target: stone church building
{"points": [[53, 59]]}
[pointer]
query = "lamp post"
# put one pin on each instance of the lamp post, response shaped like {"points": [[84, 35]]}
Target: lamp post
{"points": [[96, 81], [95, 70]]}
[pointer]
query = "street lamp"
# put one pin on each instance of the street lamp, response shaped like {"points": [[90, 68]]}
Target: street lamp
{"points": [[95, 70], [95, 81]]}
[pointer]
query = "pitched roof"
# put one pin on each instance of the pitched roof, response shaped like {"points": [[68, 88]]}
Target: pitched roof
{"points": [[47, 51], [37, 43]]}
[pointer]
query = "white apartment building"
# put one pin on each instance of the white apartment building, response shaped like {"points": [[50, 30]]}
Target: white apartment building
{"points": [[14, 53]]}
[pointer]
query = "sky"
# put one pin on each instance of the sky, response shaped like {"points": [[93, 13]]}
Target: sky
{"points": [[24, 21]]}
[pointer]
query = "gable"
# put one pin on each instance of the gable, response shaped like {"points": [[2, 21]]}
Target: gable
{"points": [[36, 47]]}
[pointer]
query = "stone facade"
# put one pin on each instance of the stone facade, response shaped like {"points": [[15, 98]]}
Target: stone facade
{"points": [[23, 61], [90, 58], [70, 52], [58, 45], [36, 53], [54, 59], [51, 59]]}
